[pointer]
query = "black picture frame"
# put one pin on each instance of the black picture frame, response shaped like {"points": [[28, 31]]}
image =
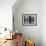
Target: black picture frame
{"points": [[29, 19]]}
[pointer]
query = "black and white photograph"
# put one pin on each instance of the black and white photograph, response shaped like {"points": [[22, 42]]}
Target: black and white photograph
{"points": [[29, 19]]}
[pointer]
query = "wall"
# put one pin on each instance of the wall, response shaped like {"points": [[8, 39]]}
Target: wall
{"points": [[28, 7], [43, 22], [6, 13]]}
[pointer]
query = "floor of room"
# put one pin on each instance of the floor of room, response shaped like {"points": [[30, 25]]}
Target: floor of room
{"points": [[9, 43]]}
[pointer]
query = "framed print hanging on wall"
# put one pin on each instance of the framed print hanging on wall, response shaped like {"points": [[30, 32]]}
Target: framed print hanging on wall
{"points": [[29, 19]]}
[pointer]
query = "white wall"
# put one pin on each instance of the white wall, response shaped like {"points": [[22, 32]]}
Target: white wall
{"points": [[28, 7], [43, 22], [6, 13]]}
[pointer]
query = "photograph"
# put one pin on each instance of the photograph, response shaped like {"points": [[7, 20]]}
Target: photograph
{"points": [[29, 19]]}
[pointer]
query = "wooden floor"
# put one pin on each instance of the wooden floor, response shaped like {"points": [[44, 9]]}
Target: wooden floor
{"points": [[9, 43]]}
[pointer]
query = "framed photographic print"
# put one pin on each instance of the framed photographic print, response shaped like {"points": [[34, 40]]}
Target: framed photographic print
{"points": [[29, 19]]}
